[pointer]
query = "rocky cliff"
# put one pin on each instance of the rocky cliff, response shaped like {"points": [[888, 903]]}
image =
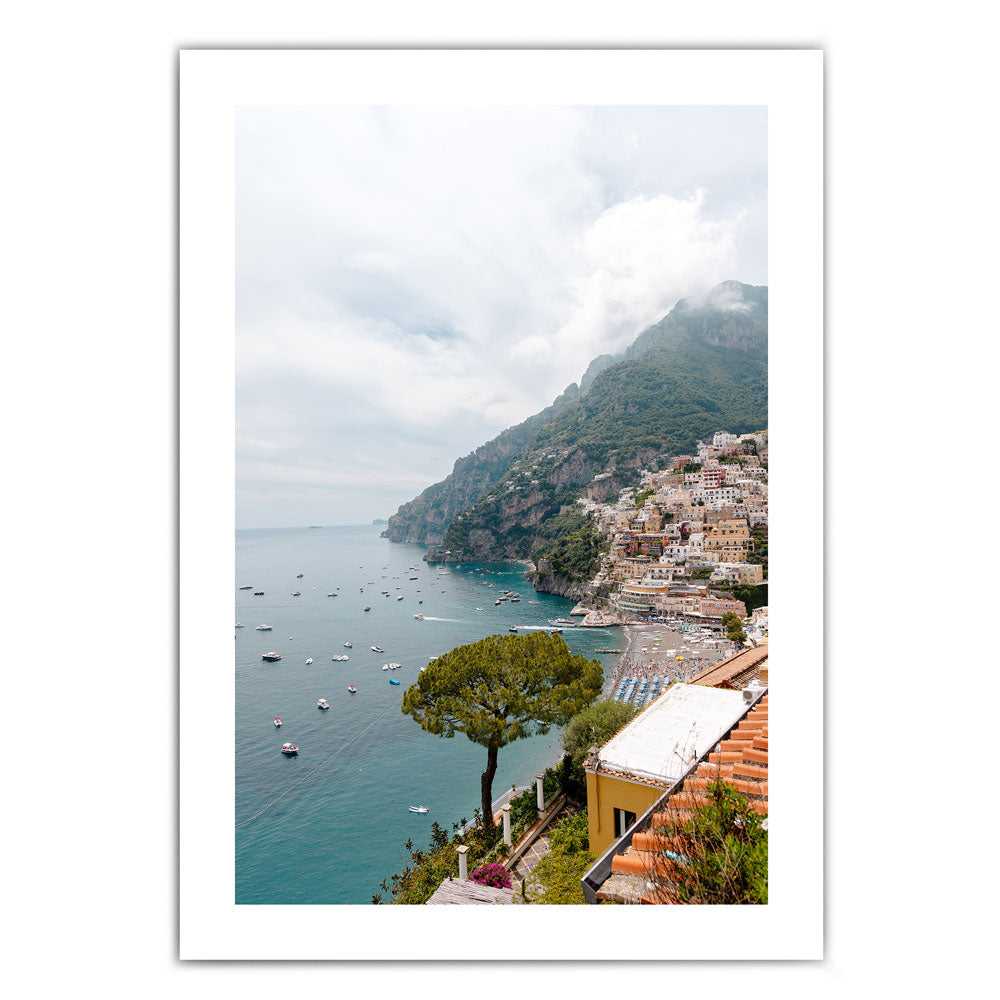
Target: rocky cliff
{"points": [[702, 368]]}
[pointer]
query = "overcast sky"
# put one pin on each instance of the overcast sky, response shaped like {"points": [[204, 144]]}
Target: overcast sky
{"points": [[411, 281]]}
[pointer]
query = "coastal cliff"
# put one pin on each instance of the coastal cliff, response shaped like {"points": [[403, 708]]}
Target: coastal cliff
{"points": [[701, 368]]}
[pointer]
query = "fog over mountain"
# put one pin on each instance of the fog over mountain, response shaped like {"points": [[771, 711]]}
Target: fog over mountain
{"points": [[412, 281]]}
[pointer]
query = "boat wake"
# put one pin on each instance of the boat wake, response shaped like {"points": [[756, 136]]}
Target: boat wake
{"points": [[431, 618]]}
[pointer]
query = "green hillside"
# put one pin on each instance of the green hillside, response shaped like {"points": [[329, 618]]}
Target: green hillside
{"points": [[701, 369]]}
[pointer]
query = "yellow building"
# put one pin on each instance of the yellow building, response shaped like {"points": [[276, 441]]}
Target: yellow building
{"points": [[631, 771]]}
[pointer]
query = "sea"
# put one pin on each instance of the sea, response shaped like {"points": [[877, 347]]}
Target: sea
{"points": [[329, 825]]}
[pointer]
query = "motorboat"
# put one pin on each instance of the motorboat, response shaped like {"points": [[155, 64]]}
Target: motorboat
{"points": [[240, 625], [513, 628], [497, 601], [248, 586], [400, 597], [322, 704], [392, 680], [377, 649], [298, 593], [289, 749], [309, 661], [277, 722], [264, 628], [271, 657], [348, 645], [419, 809], [565, 622], [352, 689], [298, 576], [385, 666], [368, 607], [258, 593], [419, 617], [394, 666], [340, 658]]}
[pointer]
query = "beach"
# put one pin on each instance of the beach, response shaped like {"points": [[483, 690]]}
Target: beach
{"points": [[652, 650]]}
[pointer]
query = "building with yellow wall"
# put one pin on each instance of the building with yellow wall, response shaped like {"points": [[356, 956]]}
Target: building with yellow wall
{"points": [[630, 772]]}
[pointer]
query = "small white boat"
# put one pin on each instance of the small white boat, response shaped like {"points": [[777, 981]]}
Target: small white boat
{"points": [[309, 661], [289, 749], [419, 809], [240, 625], [348, 645], [271, 657], [277, 722], [264, 628], [394, 666], [248, 586], [377, 649], [385, 666], [400, 597], [322, 704], [352, 689], [298, 593], [419, 617]]}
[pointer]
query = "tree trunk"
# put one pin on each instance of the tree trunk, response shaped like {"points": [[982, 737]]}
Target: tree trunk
{"points": [[487, 785]]}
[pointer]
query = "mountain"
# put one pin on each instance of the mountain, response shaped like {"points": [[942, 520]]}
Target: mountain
{"points": [[701, 369]]}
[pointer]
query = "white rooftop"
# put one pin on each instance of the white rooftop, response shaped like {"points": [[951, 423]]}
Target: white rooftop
{"points": [[663, 741]]}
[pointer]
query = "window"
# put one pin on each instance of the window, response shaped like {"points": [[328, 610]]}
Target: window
{"points": [[623, 820]]}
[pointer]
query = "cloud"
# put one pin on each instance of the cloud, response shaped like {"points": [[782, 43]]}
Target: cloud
{"points": [[410, 281]]}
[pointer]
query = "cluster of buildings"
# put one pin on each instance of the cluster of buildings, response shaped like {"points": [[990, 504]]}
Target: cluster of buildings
{"points": [[686, 529]]}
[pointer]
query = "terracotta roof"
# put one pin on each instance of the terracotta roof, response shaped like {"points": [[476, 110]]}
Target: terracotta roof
{"points": [[734, 671], [742, 763]]}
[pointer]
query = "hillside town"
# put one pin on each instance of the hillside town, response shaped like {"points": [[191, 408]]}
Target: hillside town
{"points": [[685, 535]]}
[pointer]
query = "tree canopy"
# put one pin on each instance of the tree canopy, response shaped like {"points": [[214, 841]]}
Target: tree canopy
{"points": [[501, 689]]}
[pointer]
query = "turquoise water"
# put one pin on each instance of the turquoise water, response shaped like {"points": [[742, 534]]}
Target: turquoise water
{"points": [[329, 825]]}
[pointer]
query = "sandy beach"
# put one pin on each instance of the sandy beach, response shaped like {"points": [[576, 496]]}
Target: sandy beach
{"points": [[653, 649]]}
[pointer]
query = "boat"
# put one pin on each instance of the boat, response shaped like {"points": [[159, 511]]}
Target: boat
{"points": [[340, 658], [322, 704], [248, 586], [352, 689], [385, 666], [289, 749], [565, 622], [271, 657], [258, 593], [392, 680], [400, 597], [419, 617], [414, 578], [331, 595], [240, 625], [348, 645], [419, 809], [368, 607], [298, 576], [377, 649], [496, 601], [277, 722], [298, 593], [513, 628], [394, 666], [309, 661], [555, 631]]}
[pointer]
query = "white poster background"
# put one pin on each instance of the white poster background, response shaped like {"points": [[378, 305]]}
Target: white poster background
{"points": [[212, 85]]}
